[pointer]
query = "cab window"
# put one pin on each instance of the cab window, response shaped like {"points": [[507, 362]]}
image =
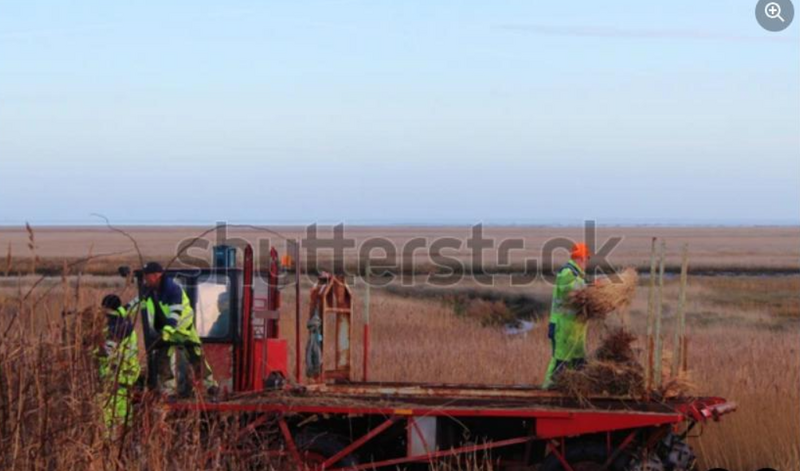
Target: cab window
{"points": [[212, 307]]}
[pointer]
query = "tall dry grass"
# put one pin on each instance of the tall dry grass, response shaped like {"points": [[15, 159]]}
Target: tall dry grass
{"points": [[50, 413], [51, 396]]}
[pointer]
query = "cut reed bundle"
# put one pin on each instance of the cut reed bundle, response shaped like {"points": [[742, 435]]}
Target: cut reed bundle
{"points": [[606, 295], [614, 371]]}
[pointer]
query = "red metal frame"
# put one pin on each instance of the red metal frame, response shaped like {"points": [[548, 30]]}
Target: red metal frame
{"points": [[419, 434], [594, 422], [441, 454], [287, 436], [550, 423], [361, 441], [298, 377], [558, 421], [558, 449], [624, 444], [295, 454], [244, 364]]}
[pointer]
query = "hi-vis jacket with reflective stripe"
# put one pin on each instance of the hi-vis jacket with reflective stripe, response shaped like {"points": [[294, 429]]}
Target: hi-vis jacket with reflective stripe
{"points": [[120, 361], [569, 331], [170, 313], [571, 277]]}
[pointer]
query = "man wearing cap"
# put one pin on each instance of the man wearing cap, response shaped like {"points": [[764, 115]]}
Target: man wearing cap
{"points": [[566, 331], [119, 364], [170, 314]]}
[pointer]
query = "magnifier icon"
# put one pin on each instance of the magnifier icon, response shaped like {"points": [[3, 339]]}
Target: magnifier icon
{"points": [[773, 10]]}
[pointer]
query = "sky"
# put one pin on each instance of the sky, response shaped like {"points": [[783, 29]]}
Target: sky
{"points": [[513, 112]]}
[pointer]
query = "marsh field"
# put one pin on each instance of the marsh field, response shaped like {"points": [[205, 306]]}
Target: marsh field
{"points": [[743, 314]]}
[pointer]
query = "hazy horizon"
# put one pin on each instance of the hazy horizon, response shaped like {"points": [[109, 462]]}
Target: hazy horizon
{"points": [[400, 224]]}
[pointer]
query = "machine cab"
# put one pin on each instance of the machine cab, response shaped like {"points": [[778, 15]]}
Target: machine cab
{"points": [[236, 318]]}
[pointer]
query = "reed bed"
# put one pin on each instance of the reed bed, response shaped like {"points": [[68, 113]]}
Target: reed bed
{"points": [[50, 416], [50, 400]]}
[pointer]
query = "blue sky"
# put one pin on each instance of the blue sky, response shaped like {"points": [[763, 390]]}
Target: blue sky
{"points": [[383, 111]]}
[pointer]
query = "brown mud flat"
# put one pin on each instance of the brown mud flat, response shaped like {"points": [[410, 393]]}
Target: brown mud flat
{"points": [[713, 250]]}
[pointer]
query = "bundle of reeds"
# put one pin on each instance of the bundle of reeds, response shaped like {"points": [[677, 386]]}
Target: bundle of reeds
{"points": [[614, 371], [606, 295], [617, 346]]}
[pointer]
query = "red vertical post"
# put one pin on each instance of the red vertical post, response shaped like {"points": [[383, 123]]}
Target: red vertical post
{"points": [[246, 363], [365, 357], [297, 352]]}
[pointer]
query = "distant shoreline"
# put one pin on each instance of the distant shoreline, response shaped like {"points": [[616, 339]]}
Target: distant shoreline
{"points": [[498, 225], [737, 249]]}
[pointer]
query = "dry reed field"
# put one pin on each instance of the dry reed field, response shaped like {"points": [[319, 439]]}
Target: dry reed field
{"points": [[51, 397], [714, 248], [744, 335]]}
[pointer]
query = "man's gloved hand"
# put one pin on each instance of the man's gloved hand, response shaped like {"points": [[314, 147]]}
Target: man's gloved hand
{"points": [[133, 303], [167, 333]]}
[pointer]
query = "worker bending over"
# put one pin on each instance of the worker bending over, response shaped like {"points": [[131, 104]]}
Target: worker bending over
{"points": [[119, 365], [170, 314], [566, 331]]}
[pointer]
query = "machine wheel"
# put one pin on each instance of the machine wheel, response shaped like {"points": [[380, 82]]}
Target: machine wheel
{"points": [[316, 446], [582, 457], [676, 454]]}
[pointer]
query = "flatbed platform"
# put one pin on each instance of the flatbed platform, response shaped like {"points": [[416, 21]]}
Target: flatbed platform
{"points": [[445, 399], [339, 423], [425, 418]]}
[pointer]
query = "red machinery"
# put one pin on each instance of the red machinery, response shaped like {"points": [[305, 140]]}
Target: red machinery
{"points": [[339, 423], [237, 318]]}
